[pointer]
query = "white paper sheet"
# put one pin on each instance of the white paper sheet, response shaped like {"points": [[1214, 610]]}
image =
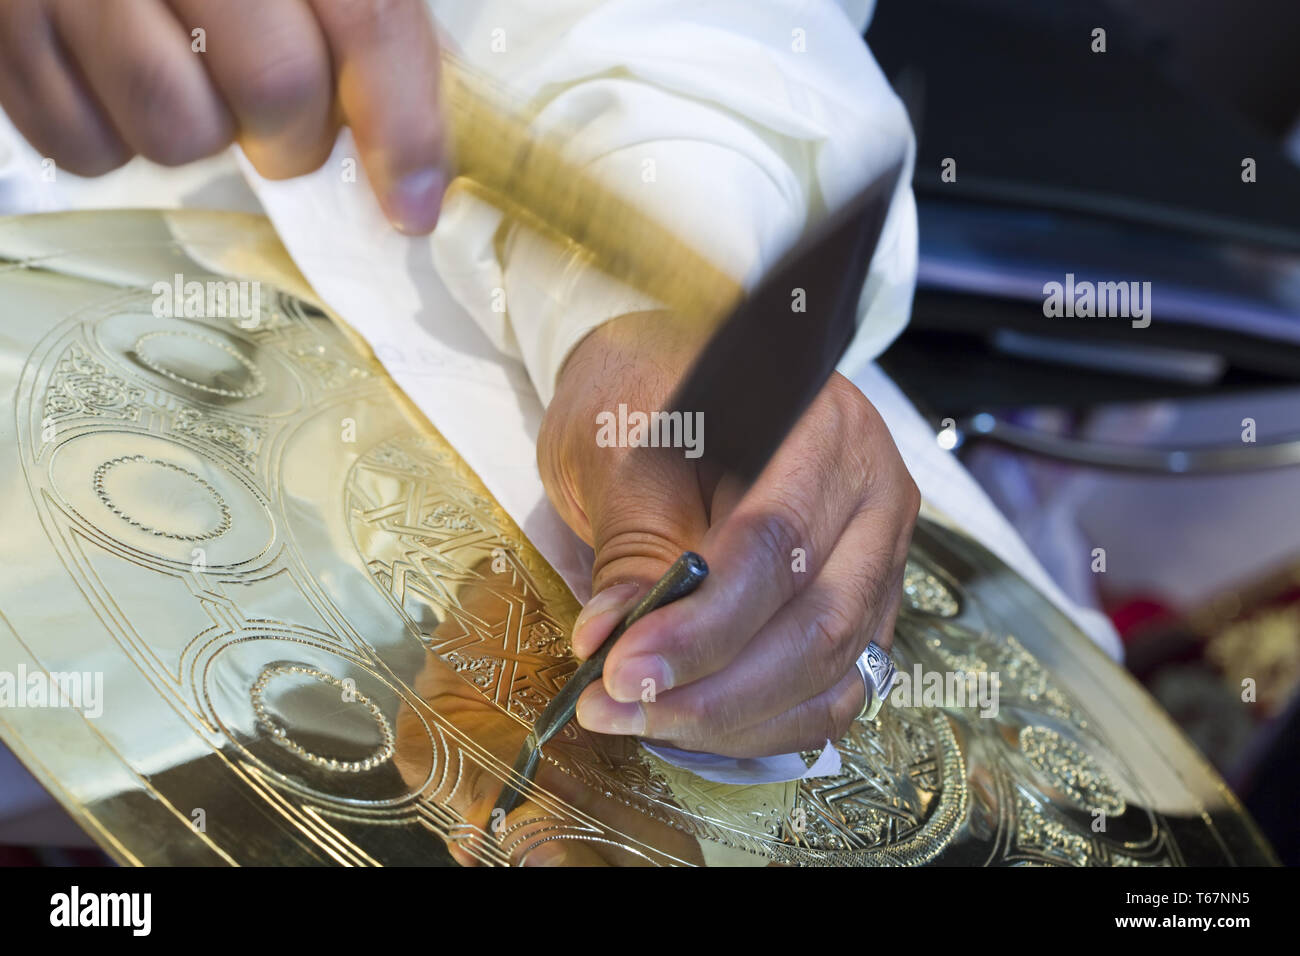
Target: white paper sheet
{"points": [[745, 771]]}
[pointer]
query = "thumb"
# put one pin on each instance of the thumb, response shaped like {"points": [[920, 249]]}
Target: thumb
{"points": [[641, 520]]}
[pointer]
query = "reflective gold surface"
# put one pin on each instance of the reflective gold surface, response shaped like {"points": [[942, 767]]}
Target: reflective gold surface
{"points": [[321, 641]]}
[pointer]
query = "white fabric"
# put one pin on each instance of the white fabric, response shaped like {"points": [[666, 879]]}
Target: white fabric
{"points": [[750, 139], [752, 118]]}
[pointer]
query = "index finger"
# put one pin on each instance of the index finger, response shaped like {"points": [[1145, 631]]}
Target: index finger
{"points": [[386, 65]]}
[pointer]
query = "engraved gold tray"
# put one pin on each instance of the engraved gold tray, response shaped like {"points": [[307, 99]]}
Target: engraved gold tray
{"points": [[321, 641]]}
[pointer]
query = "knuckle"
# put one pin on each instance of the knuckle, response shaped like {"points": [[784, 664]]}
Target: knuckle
{"points": [[872, 584], [152, 84], [884, 638], [549, 468], [371, 19], [84, 151], [91, 160], [551, 443], [287, 163], [911, 506], [706, 717], [852, 410], [813, 724], [830, 639], [177, 129], [560, 442], [779, 530], [277, 88], [856, 427], [185, 146], [842, 710]]}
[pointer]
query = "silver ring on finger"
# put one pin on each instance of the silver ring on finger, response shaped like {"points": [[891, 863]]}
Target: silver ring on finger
{"points": [[878, 674]]}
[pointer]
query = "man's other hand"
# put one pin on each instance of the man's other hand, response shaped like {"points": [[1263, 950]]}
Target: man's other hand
{"points": [[91, 84]]}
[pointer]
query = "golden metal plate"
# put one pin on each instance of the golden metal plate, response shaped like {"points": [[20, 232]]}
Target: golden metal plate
{"points": [[321, 641]]}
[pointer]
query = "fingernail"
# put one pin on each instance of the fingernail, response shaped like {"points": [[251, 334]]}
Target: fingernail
{"points": [[612, 602], [601, 715], [415, 202], [628, 682]]}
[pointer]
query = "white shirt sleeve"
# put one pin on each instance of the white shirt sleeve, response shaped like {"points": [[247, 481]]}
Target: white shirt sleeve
{"points": [[734, 122]]}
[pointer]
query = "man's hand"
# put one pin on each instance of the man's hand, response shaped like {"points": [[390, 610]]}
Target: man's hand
{"points": [[760, 660], [91, 84]]}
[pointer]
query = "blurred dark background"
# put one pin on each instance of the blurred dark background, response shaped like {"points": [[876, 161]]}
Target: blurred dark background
{"points": [[1089, 433]]}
